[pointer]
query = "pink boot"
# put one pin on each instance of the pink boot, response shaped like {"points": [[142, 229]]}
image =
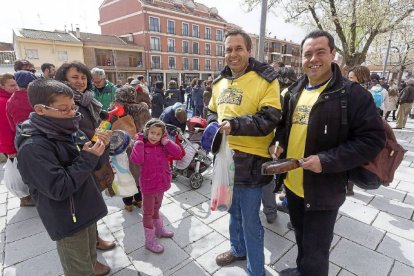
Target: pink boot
{"points": [[150, 243], [160, 231]]}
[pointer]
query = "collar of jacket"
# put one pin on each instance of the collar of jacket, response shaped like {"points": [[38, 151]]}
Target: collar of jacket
{"points": [[262, 69], [336, 82]]}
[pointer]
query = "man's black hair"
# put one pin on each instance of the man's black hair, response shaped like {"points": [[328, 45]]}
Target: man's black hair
{"points": [[45, 91], [159, 85], [319, 33], [46, 66]]}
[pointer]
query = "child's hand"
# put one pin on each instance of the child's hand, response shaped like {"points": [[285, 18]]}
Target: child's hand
{"points": [[139, 136], [97, 149], [104, 136], [164, 139]]}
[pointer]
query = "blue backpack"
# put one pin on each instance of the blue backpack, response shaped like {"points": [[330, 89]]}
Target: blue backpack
{"points": [[377, 94]]}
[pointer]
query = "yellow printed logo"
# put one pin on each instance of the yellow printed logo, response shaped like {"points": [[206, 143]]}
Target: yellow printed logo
{"points": [[301, 115], [230, 96]]}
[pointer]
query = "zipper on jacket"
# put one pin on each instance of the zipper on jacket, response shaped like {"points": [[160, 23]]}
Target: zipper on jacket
{"points": [[72, 209], [326, 129]]}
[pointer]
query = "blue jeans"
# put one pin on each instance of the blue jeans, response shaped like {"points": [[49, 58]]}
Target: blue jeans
{"points": [[246, 230]]}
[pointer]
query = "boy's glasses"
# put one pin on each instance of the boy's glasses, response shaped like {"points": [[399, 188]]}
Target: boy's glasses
{"points": [[74, 108]]}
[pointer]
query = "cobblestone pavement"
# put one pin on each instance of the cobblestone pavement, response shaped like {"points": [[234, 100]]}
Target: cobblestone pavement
{"points": [[374, 233]]}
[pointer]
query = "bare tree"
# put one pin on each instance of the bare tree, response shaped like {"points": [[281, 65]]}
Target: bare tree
{"points": [[356, 23]]}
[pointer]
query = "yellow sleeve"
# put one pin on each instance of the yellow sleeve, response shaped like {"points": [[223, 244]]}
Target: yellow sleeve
{"points": [[212, 105], [271, 96]]}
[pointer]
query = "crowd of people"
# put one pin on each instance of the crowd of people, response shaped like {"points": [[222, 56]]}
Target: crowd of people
{"points": [[48, 123]]}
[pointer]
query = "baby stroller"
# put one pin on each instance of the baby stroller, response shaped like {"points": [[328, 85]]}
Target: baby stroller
{"points": [[195, 161]]}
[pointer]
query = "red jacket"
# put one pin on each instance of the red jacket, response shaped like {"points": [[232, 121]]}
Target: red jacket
{"points": [[6, 133], [18, 108]]}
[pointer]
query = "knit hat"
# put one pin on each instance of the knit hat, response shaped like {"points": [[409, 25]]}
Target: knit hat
{"points": [[125, 94], [23, 78], [134, 82]]}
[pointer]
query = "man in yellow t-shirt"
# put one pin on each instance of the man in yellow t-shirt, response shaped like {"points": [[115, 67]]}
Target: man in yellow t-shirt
{"points": [[313, 129], [246, 102]]}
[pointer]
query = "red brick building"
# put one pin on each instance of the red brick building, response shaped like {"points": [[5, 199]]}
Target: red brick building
{"points": [[183, 39]]}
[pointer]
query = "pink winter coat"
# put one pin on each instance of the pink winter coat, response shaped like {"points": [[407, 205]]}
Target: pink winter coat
{"points": [[153, 158], [6, 133]]}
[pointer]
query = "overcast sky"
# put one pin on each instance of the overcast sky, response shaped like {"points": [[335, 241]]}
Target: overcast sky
{"points": [[55, 14]]}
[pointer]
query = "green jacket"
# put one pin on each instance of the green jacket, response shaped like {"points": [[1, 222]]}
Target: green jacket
{"points": [[106, 96]]}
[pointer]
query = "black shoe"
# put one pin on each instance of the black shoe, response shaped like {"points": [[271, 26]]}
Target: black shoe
{"points": [[290, 272]]}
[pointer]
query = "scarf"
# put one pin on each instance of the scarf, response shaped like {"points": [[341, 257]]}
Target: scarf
{"points": [[55, 126], [87, 100]]}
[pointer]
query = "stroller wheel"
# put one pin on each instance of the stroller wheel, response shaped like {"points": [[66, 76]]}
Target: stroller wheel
{"points": [[196, 179], [174, 172]]}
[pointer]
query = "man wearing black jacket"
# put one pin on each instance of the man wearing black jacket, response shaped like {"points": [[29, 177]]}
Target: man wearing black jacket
{"points": [[246, 102], [311, 129]]}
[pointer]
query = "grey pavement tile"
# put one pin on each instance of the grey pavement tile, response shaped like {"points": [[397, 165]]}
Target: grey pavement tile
{"points": [[2, 224], [204, 244], [393, 207], [358, 211], [203, 212], [360, 196], [128, 271], [177, 188], [205, 188], [172, 212], [19, 250], [275, 246], [398, 248], [344, 272], [131, 238], [400, 269], [3, 198], [191, 269], [279, 226], [389, 193], [189, 230], [402, 175], [290, 235], [3, 188], [222, 225], [406, 163], [409, 199], [3, 210], [238, 269], [116, 259], [122, 219], [156, 264], [406, 186], [395, 225], [358, 232], [188, 199], [208, 260], [44, 264], [360, 260], [288, 260], [24, 229], [14, 203], [114, 204], [21, 214]]}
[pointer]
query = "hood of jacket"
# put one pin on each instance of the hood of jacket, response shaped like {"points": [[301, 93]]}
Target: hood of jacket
{"points": [[262, 69], [377, 89]]}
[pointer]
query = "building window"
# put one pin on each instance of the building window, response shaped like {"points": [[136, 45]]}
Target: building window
{"points": [[155, 44], [219, 65], [32, 54], [208, 65], [155, 62], [195, 64], [154, 24], [186, 47], [171, 45], [186, 29], [195, 48], [219, 35], [208, 33], [196, 31], [170, 26], [132, 61], [186, 64], [62, 55], [208, 49], [171, 62], [219, 50]]}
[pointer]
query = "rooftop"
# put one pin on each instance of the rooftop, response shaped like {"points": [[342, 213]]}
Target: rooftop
{"points": [[47, 35]]}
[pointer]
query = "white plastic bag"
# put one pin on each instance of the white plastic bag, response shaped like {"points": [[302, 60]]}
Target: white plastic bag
{"points": [[124, 183], [13, 179], [223, 178]]}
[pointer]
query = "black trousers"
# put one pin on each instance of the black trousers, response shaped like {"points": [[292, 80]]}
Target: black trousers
{"points": [[313, 233]]}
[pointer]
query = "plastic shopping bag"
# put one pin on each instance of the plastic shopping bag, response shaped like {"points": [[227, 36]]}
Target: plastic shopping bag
{"points": [[13, 179], [223, 178], [124, 183]]}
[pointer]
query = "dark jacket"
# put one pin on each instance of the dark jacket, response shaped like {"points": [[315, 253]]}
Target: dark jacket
{"points": [[157, 103], [168, 117], [407, 94], [88, 124], [60, 179], [365, 137], [172, 96], [198, 95]]}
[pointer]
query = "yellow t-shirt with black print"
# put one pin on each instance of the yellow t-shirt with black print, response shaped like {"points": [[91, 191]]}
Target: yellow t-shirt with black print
{"points": [[245, 95], [297, 136]]}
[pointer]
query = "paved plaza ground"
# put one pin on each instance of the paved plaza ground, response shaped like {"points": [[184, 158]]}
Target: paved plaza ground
{"points": [[374, 233]]}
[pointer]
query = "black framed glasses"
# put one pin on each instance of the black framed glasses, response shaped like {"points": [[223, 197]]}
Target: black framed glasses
{"points": [[74, 108]]}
